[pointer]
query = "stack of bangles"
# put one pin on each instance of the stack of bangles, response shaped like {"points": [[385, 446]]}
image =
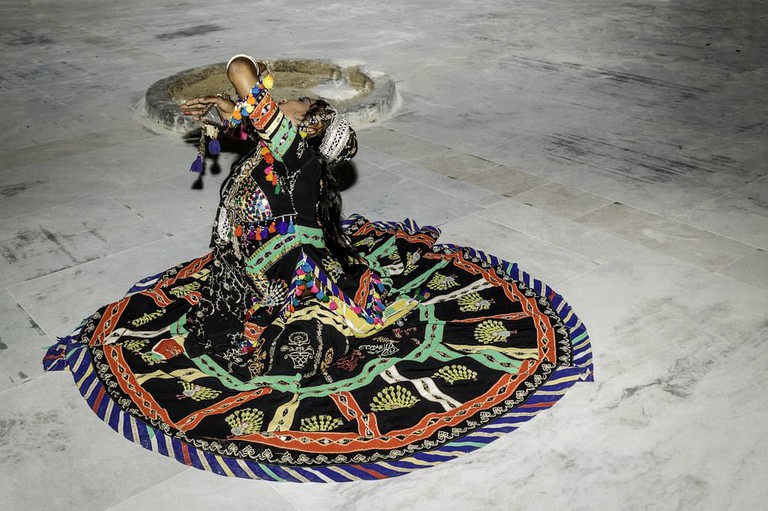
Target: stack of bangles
{"points": [[244, 107]]}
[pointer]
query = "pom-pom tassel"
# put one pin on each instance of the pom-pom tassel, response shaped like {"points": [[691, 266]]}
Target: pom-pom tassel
{"points": [[197, 165], [214, 147]]}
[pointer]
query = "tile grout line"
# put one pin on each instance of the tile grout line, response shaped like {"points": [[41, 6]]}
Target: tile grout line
{"points": [[670, 219], [178, 235], [448, 192], [588, 258], [51, 338], [145, 490]]}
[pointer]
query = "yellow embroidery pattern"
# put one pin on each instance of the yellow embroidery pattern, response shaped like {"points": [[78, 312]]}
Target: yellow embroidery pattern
{"points": [[393, 398]]}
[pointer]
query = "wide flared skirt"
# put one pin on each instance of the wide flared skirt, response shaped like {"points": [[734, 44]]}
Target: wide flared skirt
{"points": [[482, 348]]}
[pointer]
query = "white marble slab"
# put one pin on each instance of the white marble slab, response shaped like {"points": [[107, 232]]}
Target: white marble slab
{"points": [[741, 214], [505, 180], [541, 259], [59, 301], [66, 236], [562, 200], [399, 145], [57, 454], [194, 489], [42, 185], [457, 188], [22, 344], [752, 269], [392, 197], [540, 224], [670, 237]]}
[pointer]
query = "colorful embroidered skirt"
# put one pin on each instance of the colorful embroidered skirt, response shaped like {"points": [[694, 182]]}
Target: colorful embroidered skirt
{"points": [[483, 349]]}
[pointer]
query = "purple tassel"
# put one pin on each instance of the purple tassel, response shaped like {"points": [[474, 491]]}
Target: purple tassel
{"points": [[213, 147], [197, 165]]}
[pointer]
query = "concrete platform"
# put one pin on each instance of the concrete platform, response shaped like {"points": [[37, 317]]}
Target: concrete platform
{"points": [[616, 150]]}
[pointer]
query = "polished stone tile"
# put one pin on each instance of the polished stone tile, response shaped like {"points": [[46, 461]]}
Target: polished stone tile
{"points": [[22, 344], [541, 259], [455, 187], [751, 269], [47, 430], [562, 200], [399, 145], [393, 197], [40, 186], [139, 162], [365, 153], [197, 490], [619, 169], [698, 247], [454, 163], [66, 236], [108, 136], [540, 224], [171, 209], [741, 214], [504, 180], [643, 281], [60, 300]]}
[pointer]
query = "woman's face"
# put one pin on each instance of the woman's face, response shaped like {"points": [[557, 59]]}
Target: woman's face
{"points": [[295, 109]]}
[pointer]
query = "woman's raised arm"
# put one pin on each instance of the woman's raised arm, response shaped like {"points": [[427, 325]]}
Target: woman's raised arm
{"points": [[256, 104]]}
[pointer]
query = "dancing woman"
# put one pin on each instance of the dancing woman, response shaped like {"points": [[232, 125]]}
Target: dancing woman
{"points": [[305, 348]]}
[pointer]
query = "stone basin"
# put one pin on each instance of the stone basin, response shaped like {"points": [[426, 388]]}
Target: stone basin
{"points": [[364, 97]]}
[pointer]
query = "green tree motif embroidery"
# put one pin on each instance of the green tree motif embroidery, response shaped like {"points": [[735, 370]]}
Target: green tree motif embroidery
{"points": [[491, 331], [147, 317], [473, 302], [368, 241], [456, 372], [150, 358], [245, 421], [320, 423], [135, 345], [442, 282], [393, 398], [182, 291]]}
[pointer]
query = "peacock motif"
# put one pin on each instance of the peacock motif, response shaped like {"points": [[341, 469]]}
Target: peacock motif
{"points": [[454, 373], [491, 331], [198, 392], [442, 282], [245, 421], [393, 398], [320, 423], [411, 260], [473, 302]]}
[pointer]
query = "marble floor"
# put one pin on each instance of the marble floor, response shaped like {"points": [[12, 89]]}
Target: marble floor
{"points": [[618, 150]]}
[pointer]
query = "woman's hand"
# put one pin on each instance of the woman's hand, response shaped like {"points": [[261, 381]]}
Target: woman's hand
{"points": [[197, 107]]}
